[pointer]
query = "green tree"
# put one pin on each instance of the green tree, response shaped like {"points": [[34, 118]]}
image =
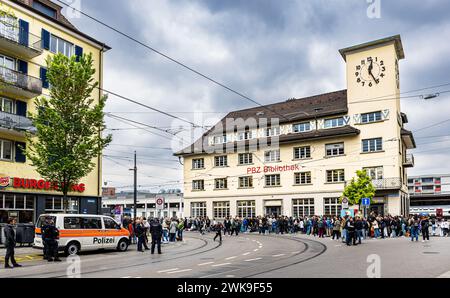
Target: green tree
{"points": [[359, 188], [69, 123]]}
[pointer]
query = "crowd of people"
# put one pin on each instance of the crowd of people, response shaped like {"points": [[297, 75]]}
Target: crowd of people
{"points": [[351, 230]]}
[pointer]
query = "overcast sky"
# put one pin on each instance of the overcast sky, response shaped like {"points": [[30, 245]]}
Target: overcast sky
{"points": [[268, 50]]}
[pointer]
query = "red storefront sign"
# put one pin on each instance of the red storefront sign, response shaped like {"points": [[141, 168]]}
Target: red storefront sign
{"points": [[23, 183]]}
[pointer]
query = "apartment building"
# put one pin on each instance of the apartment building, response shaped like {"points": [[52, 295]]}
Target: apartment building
{"points": [[430, 193], [295, 157], [30, 31]]}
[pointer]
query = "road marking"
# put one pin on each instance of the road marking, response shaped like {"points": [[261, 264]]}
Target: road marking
{"points": [[295, 252], [229, 276], [246, 254], [250, 260], [219, 265], [207, 263], [280, 255], [179, 271], [163, 271], [445, 275], [255, 249], [126, 277], [230, 258]]}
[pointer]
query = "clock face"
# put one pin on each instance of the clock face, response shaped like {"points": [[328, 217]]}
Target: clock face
{"points": [[370, 72]]}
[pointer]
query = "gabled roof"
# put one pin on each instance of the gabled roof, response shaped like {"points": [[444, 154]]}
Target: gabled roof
{"points": [[293, 110]]}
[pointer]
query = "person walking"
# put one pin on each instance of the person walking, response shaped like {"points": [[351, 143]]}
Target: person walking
{"points": [[173, 230], [425, 224], [10, 244], [218, 228], [156, 231]]}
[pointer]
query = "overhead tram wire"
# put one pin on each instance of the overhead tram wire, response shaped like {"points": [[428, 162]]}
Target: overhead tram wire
{"points": [[170, 58]]}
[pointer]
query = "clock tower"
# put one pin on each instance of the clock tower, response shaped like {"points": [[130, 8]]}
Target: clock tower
{"points": [[373, 73]]}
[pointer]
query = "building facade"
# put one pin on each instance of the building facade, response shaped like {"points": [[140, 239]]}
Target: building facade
{"points": [[294, 158], [30, 31], [429, 193], [146, 204]]}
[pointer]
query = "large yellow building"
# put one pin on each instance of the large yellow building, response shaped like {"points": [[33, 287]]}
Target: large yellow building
{"points": [[294, 158], [30, 30]]}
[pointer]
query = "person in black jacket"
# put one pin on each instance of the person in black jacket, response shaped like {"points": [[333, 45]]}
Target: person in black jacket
{"points": [[140, 234], [350, 225], [50, 236], [359, 226], [156, 231], [10, 243], [218, 228]]}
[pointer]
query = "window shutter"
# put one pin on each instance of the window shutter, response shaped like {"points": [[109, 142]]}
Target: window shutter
{"points": [[21, 108], [78, 52], [45, 83], [20, 154], [23, 66], [45, 39], [23, 33]]}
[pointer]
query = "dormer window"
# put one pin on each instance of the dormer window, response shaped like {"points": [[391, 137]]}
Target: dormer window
{"points": [[335, 122], [47, 10], [220, 139], [247, 135], [302, 127], [273, 131]]}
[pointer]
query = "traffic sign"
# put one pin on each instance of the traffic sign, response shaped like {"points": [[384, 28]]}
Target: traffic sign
{"points": [[365, 201], [345, 203], [160, 203]]}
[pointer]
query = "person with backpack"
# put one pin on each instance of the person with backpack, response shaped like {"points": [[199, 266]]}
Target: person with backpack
{"points": [[425, 225], [414, 226], [180, 230]]}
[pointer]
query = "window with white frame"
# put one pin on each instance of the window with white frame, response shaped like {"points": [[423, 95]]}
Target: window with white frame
{"points": [[56, 204], [59, 45], [372, 145], [221, 210], [302, 127], [246, 209], [302, 178], [303, 207], [273, 180], [334, 176], [246, 182], [272, 156], [220, 183], [335, 122], [7, 105], [302, 152], [245, 158], [273, 131], [198, 209], [221, 161], [245, 135], [375, 173], [371, 117], [6, 150], [220, 139], [198, 163], [332, 206], [334, 149], [198, 185]]}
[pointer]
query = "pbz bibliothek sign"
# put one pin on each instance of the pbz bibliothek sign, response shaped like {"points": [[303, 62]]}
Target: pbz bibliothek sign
{"points": [[30, 184]]}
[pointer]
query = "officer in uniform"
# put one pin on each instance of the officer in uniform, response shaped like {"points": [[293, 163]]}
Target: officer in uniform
{"points": [[157, 232], [50, 236]]}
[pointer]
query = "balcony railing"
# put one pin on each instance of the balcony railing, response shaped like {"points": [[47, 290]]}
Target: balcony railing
{"points": [[409, 161], [14, 40], [16, 122], [19, 84], [387, 183]]}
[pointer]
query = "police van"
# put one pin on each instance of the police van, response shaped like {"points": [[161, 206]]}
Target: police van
{"points": [[81, 232]]}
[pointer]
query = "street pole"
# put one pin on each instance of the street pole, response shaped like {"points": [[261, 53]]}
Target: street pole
{"points": [[135, 186]]}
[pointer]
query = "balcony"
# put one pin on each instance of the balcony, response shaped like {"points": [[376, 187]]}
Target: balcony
{"points": [[387, 183], [409, 161], [17, 84], [16, 123], [19, 43]]}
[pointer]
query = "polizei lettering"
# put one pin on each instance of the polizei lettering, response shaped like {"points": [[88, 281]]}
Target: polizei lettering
{"points": [[103, 240]]}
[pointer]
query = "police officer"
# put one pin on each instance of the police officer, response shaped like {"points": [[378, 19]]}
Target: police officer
{"points": [[156, 231], [50, 236], [10, 243]]}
